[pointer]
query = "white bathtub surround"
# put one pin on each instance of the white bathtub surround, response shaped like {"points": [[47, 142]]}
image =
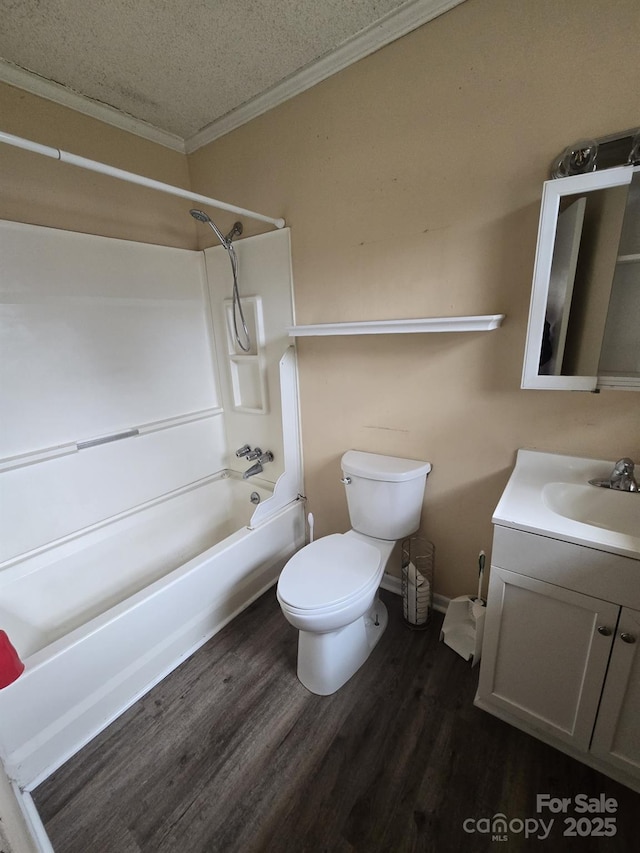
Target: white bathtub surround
{"points": [[250, 383], [101, 336], [121, 557]]}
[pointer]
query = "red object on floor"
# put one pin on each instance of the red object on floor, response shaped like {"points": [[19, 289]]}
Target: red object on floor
{"points": [[10, 664]]}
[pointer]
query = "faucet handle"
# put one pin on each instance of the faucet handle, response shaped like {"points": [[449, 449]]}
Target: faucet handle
{"points": [[622, 478], [245, 450], [624, 466], [267, 456], [253, 454]]}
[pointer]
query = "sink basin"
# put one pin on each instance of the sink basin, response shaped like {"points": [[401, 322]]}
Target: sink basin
{"points": [[549, 494], [605, 508]]}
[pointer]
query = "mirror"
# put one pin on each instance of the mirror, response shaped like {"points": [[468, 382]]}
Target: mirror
{"points": [[585, 300]]}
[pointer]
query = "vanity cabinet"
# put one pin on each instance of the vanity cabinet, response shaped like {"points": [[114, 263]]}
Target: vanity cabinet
{"points": [[560, 655]]}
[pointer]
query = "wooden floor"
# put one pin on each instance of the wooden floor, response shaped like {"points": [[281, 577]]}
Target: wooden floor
{"points": [[231, 753]]}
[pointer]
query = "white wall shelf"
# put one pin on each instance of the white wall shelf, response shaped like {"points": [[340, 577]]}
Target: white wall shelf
{"points": [[480, 323]]}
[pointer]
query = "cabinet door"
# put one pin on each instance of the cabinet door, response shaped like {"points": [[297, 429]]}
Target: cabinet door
{"points": [[617, 734], [543, 658]]}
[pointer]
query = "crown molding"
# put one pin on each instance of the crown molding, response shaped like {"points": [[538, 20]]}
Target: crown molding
{"points": [[393, 26], [19, 77]]}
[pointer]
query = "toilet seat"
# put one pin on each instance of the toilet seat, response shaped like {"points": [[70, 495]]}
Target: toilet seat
{"points": [[329, 574]]}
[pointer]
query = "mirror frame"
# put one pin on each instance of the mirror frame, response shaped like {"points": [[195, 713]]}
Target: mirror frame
{"points": [[553, 191]]}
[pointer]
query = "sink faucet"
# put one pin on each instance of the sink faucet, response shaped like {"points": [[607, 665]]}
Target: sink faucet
{"points": [[257, 468], [621, 479], [622, 476]]}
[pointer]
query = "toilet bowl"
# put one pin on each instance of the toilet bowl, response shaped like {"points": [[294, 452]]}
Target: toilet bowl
{"points": [[329, 589]]}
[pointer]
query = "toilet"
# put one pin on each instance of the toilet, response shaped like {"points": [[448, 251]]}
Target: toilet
{"points": [[329, 589]]}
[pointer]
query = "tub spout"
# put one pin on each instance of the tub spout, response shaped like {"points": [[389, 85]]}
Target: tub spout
{"points": [[265, 457], [255, 469]]}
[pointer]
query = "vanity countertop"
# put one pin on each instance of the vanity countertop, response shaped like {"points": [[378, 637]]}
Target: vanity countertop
{"points": [[549, 494]]}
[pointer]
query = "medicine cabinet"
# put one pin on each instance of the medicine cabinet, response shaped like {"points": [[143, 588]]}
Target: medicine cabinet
{"points": [[584, 317]]}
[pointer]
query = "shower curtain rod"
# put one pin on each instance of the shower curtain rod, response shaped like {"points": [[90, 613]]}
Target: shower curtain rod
{"points": [[131, 177]]}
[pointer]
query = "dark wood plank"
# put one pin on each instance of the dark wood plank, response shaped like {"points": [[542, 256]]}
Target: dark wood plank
{"points": [[231, 753]]}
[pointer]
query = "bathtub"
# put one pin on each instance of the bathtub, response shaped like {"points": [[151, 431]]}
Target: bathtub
{"points": [[102, 616]]}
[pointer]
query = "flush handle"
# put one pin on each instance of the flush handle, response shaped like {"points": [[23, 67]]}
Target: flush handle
{"points": [[604, 630], [627, 638], [345, 480]]}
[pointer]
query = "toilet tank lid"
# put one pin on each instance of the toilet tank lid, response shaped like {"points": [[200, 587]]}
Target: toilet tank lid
{"points": [[390, 469]]}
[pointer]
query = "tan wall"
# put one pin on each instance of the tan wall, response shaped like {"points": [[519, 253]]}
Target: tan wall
{"points": [[412, 183], [42, 191]]}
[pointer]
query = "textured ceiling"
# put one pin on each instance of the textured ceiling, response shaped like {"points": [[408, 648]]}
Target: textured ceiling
{"points": [[180, 65]]}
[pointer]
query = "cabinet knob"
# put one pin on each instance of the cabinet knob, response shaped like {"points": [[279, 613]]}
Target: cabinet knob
{"points": [[627, 638], [604, 630]]}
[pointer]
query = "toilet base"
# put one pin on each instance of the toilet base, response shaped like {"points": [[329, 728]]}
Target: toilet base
{"points": [[327, 661]]}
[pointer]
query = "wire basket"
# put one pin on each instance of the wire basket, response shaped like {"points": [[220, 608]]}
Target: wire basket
{"points": [[417, 581]]}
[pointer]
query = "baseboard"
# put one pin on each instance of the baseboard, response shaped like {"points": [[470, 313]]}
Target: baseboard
{"points": [[393, 584], [440, 602]]}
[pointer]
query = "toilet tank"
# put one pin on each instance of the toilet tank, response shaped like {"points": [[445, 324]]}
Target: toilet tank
{"points": [[384, 493]]}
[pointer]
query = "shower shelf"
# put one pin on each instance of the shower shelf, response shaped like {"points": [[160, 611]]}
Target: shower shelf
{"points": [[479, 323]]}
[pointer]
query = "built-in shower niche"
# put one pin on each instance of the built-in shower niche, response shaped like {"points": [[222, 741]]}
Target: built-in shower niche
{"points": [[247, 369]]}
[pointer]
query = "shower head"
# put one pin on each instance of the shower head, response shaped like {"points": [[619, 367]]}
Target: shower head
{"points": [[200, 215], [226, 242]]}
